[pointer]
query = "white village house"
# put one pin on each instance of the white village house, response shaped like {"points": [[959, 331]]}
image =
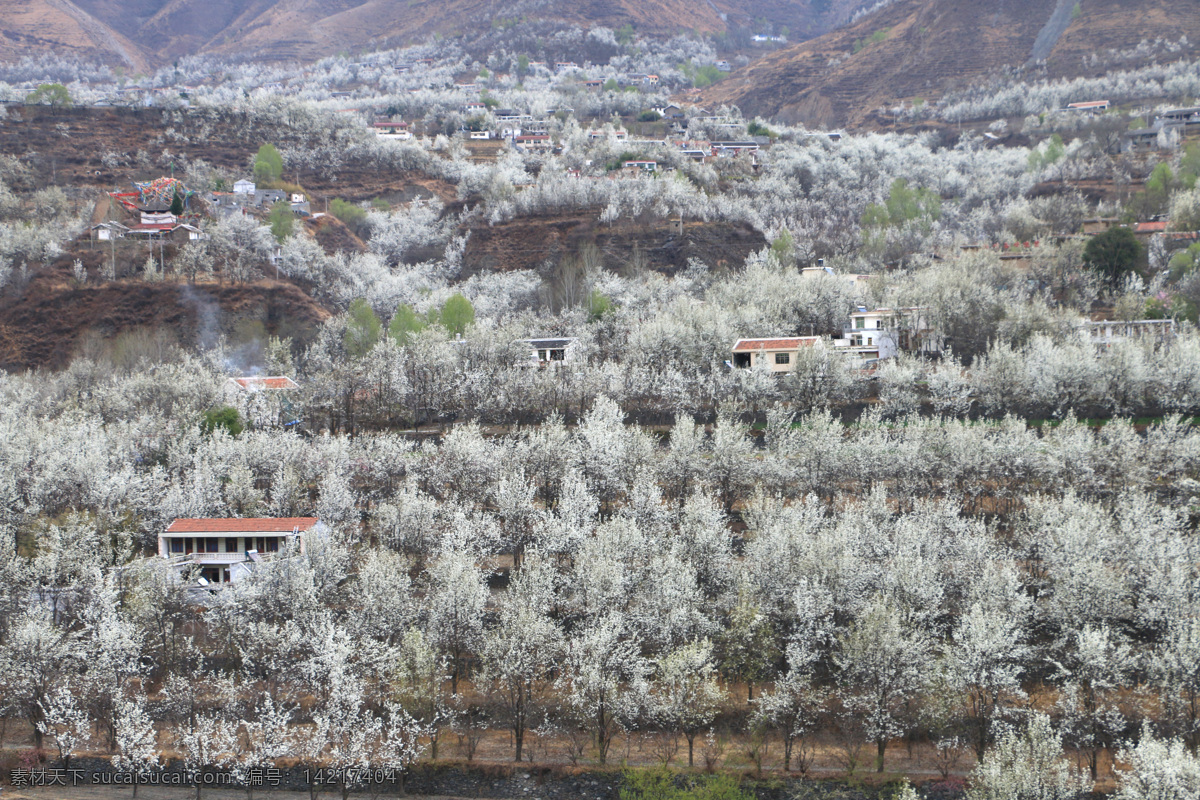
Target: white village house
{"points": [[261, 400], [551, 350], [248, 384], [1105, 332], [868, 337], [777, 355], [856, 281], [224, 550]]}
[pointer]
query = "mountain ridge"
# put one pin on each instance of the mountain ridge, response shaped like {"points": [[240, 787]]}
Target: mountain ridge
{"points": [[145, 33], [923, 48]]}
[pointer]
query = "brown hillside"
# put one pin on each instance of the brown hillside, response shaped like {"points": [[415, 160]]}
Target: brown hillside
{"points": [[30, 27], [528, 242], [922, 48], [73, 153], [45, 324]]}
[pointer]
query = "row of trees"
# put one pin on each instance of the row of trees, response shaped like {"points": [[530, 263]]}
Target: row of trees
{"points": [[865, 615]]}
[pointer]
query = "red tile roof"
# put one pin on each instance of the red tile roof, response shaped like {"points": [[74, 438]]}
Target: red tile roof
{"points": [[275, 382], [242, 525], [1149, 227], [749, 345]]}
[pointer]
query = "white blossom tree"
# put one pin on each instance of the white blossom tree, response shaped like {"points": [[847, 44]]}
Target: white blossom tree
{"points": [[1094, 673], [684, 694], [1027, 762], [1175, 670], [793, 706], [1158, 770], [520, 652], [64, 721], [603, 681], [882, 663], [136, 739]]}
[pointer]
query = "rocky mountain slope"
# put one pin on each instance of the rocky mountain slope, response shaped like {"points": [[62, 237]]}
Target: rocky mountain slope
{"points": [[921, 48], [149, 32]]}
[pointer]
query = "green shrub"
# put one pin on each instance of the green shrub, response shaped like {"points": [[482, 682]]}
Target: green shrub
{"points": [[457, 314], [268, 164], [282, 220], [363, 329], [226, 417], [756, 128], [599, 304], [661, 784], [355, 217], [51, 94], [405, 322], [1113, 254], [875, 38], [701, 75]]}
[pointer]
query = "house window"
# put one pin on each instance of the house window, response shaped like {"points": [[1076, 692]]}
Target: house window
{"points": [[860, 323], [213, 544], [868, 341], [187, 545], [231, 544], [177, 545], [272, 544], [558, 355], [878, 323], [783, 358]]}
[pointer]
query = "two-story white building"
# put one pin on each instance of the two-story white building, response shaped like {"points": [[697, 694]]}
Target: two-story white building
{"points": [[225, 549], [870, 335], [886, 332]]}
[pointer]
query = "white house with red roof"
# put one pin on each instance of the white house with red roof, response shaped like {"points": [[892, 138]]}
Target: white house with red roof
{"points": [[224, 549], [869, 336], [392, 130], [263, 401], [256, 383], [776, 355]]}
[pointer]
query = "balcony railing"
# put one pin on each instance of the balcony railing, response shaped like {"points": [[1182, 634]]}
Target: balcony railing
{"points": [[181, 559]]}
